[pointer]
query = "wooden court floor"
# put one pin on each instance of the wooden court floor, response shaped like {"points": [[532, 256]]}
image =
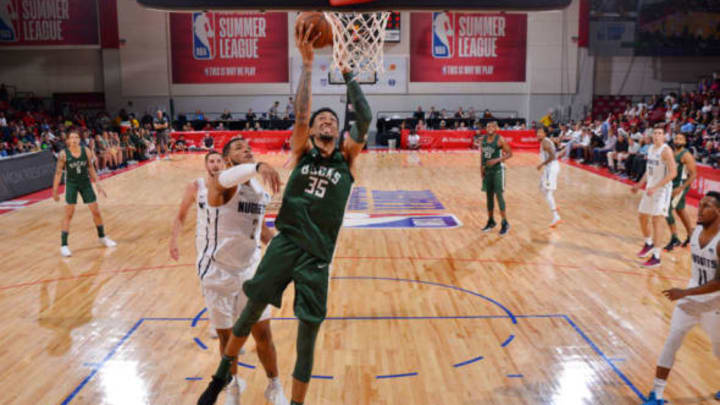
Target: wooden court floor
{"points": [[416, 316]]}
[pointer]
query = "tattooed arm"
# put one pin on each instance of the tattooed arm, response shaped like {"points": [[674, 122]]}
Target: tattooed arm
{"points": [[300, 139]]}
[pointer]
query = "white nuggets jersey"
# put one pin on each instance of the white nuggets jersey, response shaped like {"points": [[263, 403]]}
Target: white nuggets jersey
{"points": [[656, 167], [704, 264], [230, 234], [202, 223], [550, 172], [544, 155]]}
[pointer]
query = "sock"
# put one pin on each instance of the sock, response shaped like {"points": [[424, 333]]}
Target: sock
{"points": [[656, 253], [504, 222], [649, 241], [550, 199], [223, 370], [63, 238], [491, 220], [659, 388], [101, 231], [295, 403], [275, 380], [675, 237]]}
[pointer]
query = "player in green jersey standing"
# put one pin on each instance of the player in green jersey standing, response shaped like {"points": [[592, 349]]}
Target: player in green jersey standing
{"points": [[309, 220], [495, 150], [76, 160], [686, 174]]}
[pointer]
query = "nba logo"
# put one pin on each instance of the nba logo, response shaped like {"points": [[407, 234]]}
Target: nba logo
{"points": [[8, 13], [442, 35], [203, 36]]}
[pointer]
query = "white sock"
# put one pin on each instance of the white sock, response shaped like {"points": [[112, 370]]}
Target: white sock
{"points": [[649, 241], [659, 388], [550, 199], [275, 381], [656, 253]]}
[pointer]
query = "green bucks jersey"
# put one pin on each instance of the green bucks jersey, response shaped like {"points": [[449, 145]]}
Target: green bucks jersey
{"points": [[681, 169], [76, 168], [491, 150], [314, 201]]}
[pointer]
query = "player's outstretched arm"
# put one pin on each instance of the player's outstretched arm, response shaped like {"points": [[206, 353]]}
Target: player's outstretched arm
{"points": [[58, 174], [300, 139], [93, 174], [706, 287], [185, 204], [355, 143], [240, 174]]}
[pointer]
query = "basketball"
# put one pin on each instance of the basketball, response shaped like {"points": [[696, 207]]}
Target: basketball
{"points": [[320, 24]]}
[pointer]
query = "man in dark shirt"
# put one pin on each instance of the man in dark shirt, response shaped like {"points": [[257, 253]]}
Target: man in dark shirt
{"points": [[419, 114], [619, 153], [162, 132]]}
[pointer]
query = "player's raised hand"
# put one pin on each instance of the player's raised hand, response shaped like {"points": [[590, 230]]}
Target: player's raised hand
{"points": [[304, 41], [270, 177]]}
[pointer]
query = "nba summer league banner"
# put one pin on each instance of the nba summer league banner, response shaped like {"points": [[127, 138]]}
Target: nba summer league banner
{"points": [[460, 47], [48, 22], [217, 47]]}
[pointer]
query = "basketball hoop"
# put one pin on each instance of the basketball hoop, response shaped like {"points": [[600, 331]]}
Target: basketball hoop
{"points": [[358, 40]]}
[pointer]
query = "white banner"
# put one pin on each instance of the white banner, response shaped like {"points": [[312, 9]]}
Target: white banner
{"points": [[393, 81]]}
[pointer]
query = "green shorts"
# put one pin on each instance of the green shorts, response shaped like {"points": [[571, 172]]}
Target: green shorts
{"points": [[284, 261], [494, 180], [678, 202], [84, 189]]}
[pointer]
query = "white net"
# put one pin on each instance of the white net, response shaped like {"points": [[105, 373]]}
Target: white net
{"points": [[358, 40]]}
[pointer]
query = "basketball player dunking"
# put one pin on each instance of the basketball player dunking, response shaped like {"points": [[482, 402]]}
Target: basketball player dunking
{"points": [[550, 169], [230, 225], [495, 151], [655, 201], [79, 170], [699, 303], [309, 221], [686, 174]]}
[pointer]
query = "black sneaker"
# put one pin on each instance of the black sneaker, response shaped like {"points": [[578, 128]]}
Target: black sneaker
{"points": [[686, 243], [505, 228], [490, 225], [674, 242], [209, 396]]}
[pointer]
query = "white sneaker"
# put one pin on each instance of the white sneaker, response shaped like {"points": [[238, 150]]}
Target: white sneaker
{"points": [[275, 395], [234, 390], [107, 242], [556, 221], [65, 251]]}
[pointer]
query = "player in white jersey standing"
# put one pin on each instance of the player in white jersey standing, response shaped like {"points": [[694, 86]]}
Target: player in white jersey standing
{"points": [[230, 225], [699, 303], [550, 169], [655, 203]]}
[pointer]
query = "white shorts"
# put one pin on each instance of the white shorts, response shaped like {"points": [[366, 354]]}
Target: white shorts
{"points": [[689, 313], [548, 181], [657, 204], [224, 296]]}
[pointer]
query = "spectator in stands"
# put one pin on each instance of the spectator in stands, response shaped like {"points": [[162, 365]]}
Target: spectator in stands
{"points": [[419, 114], [546, 119], [462, 126], [220, 127], [248, 127], [633, 150], [639, 161], [443, 124], [208, 141], [3, 120], [187, 127], [460, 113], [420, 126], [181, 144], [443, 114], [290, 109], [250, 117], [584, 147], [487, 114], [3, 150], [413, 141], [471, 114], [600, 152], [433, 113], [226, 116], [619, 153], [273, 113], [258, 127]]}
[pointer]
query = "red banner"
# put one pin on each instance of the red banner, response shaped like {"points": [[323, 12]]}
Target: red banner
{"points": [[459, 47], [48, 22], [450, 139], [708, 179], [264, 140], [217, 47]]}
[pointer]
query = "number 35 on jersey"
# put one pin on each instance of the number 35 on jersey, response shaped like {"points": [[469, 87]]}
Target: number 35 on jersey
{"points": [[318, 179]]}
